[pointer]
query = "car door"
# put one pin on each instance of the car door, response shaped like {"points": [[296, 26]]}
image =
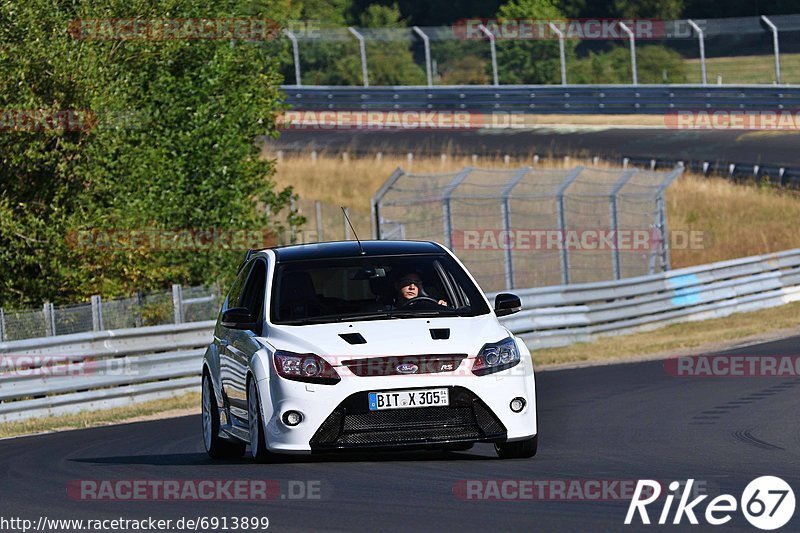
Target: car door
{"points": [[241, 343], [227, 362]]}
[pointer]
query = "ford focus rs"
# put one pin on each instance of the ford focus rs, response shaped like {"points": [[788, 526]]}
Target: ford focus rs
{"points": [[372, 345]]}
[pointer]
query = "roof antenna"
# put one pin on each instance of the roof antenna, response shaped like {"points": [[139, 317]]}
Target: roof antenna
{"points": [[347, 218]]}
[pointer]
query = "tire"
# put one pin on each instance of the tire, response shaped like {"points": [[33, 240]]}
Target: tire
{"points": [[216, 447], [258, 441], [521, 449]]}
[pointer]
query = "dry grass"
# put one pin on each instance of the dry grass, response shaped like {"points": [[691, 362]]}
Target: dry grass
{"points": [[352, 183], [736, 220], [677, 337], [183, 404]]}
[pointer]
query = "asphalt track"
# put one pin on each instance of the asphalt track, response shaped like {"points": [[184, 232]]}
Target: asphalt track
{"points": [[622, 422], [774, 148]]}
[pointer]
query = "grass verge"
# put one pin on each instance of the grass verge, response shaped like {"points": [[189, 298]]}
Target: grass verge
{"points": [[747, 69], [178, 405], [702, 336]]}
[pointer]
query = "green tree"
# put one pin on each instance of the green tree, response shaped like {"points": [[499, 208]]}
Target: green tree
{"points": [[172, 146], [390, 62], [531, 61], [329, 55], [648, 9]]}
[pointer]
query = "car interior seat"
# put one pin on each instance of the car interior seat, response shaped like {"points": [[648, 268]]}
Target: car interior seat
{"points": [[298, 296]]}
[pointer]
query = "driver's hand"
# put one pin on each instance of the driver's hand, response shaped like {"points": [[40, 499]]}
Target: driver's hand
{"points": [[442, 302]]}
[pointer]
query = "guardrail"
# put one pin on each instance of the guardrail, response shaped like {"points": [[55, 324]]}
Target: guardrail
{"points": [[567, 99], [85, 371], [557, 316]]}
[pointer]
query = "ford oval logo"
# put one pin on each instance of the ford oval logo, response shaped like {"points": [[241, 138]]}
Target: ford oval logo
{"points": [[407, 368]]}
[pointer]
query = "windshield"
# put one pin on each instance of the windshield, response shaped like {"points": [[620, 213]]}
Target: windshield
{"points": [[373, 288]]}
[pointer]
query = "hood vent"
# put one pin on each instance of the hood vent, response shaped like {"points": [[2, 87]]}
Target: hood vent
{"points": [[440, 333], [353, 338]]}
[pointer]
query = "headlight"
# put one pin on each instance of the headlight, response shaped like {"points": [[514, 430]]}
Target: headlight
{"points": [[495, 357], [306, 367]]}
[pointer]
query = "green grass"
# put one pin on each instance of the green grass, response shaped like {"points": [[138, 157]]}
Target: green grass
{"points": [[746, 69]]}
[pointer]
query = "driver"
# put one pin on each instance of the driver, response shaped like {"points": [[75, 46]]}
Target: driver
{"points": [[409, 286]]}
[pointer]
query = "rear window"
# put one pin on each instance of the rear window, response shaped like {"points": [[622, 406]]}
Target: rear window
{"points": [[373, 288]]}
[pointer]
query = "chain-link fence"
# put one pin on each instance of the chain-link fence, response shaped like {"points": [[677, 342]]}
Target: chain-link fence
{"points": [[749, 50], [533, 227], [190, 304], [326, 222]]}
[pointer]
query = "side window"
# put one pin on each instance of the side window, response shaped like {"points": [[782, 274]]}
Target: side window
{"points": [[253, 294], [235, 294]]}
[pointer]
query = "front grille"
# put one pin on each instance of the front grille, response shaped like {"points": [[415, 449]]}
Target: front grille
{"points": [[388, 366], [353, 425]]}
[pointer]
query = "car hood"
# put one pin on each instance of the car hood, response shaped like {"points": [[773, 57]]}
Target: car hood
{"points": [[400, 336]]}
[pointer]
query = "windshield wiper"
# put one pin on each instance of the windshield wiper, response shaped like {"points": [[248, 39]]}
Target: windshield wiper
{"points": [[311, 320], [396, 313], [332, 319], [415, 314]]}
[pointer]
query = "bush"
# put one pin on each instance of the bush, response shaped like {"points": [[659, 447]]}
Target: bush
{"points": [[172, 146], [653, 62]]}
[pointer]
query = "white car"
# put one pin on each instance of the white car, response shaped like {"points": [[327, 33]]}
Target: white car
{"points": [[327, 347]]}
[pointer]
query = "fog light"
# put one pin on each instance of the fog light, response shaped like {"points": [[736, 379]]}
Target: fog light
{"points": [[517, 404], [292, 418]]}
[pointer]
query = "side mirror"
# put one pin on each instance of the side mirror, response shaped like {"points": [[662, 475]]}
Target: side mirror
{"points": [[506, 304], [238, 318]]}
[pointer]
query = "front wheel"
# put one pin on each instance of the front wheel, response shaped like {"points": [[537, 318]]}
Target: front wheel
{"points": [[521, 449], [258, 442], [216, 446]]}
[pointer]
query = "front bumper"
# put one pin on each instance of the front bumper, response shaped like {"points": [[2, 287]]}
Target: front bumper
{"points": [[353, 425], [337, 417]]}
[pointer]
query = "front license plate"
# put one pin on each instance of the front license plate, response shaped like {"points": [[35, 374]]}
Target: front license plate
{"points": [[406, 399]]}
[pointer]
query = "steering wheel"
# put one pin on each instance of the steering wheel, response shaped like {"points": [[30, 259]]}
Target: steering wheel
{"points": [[414, 302]]}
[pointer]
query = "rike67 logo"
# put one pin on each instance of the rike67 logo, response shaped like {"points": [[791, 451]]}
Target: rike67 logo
{"points": [[767, 503]]}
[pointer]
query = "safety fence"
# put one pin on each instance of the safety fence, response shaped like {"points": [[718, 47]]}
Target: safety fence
{"points": [[87, 371], [539, 99], [54, 376], [325, 221], [557, 316], [747, 50], [545, 226], [181, 304]]}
